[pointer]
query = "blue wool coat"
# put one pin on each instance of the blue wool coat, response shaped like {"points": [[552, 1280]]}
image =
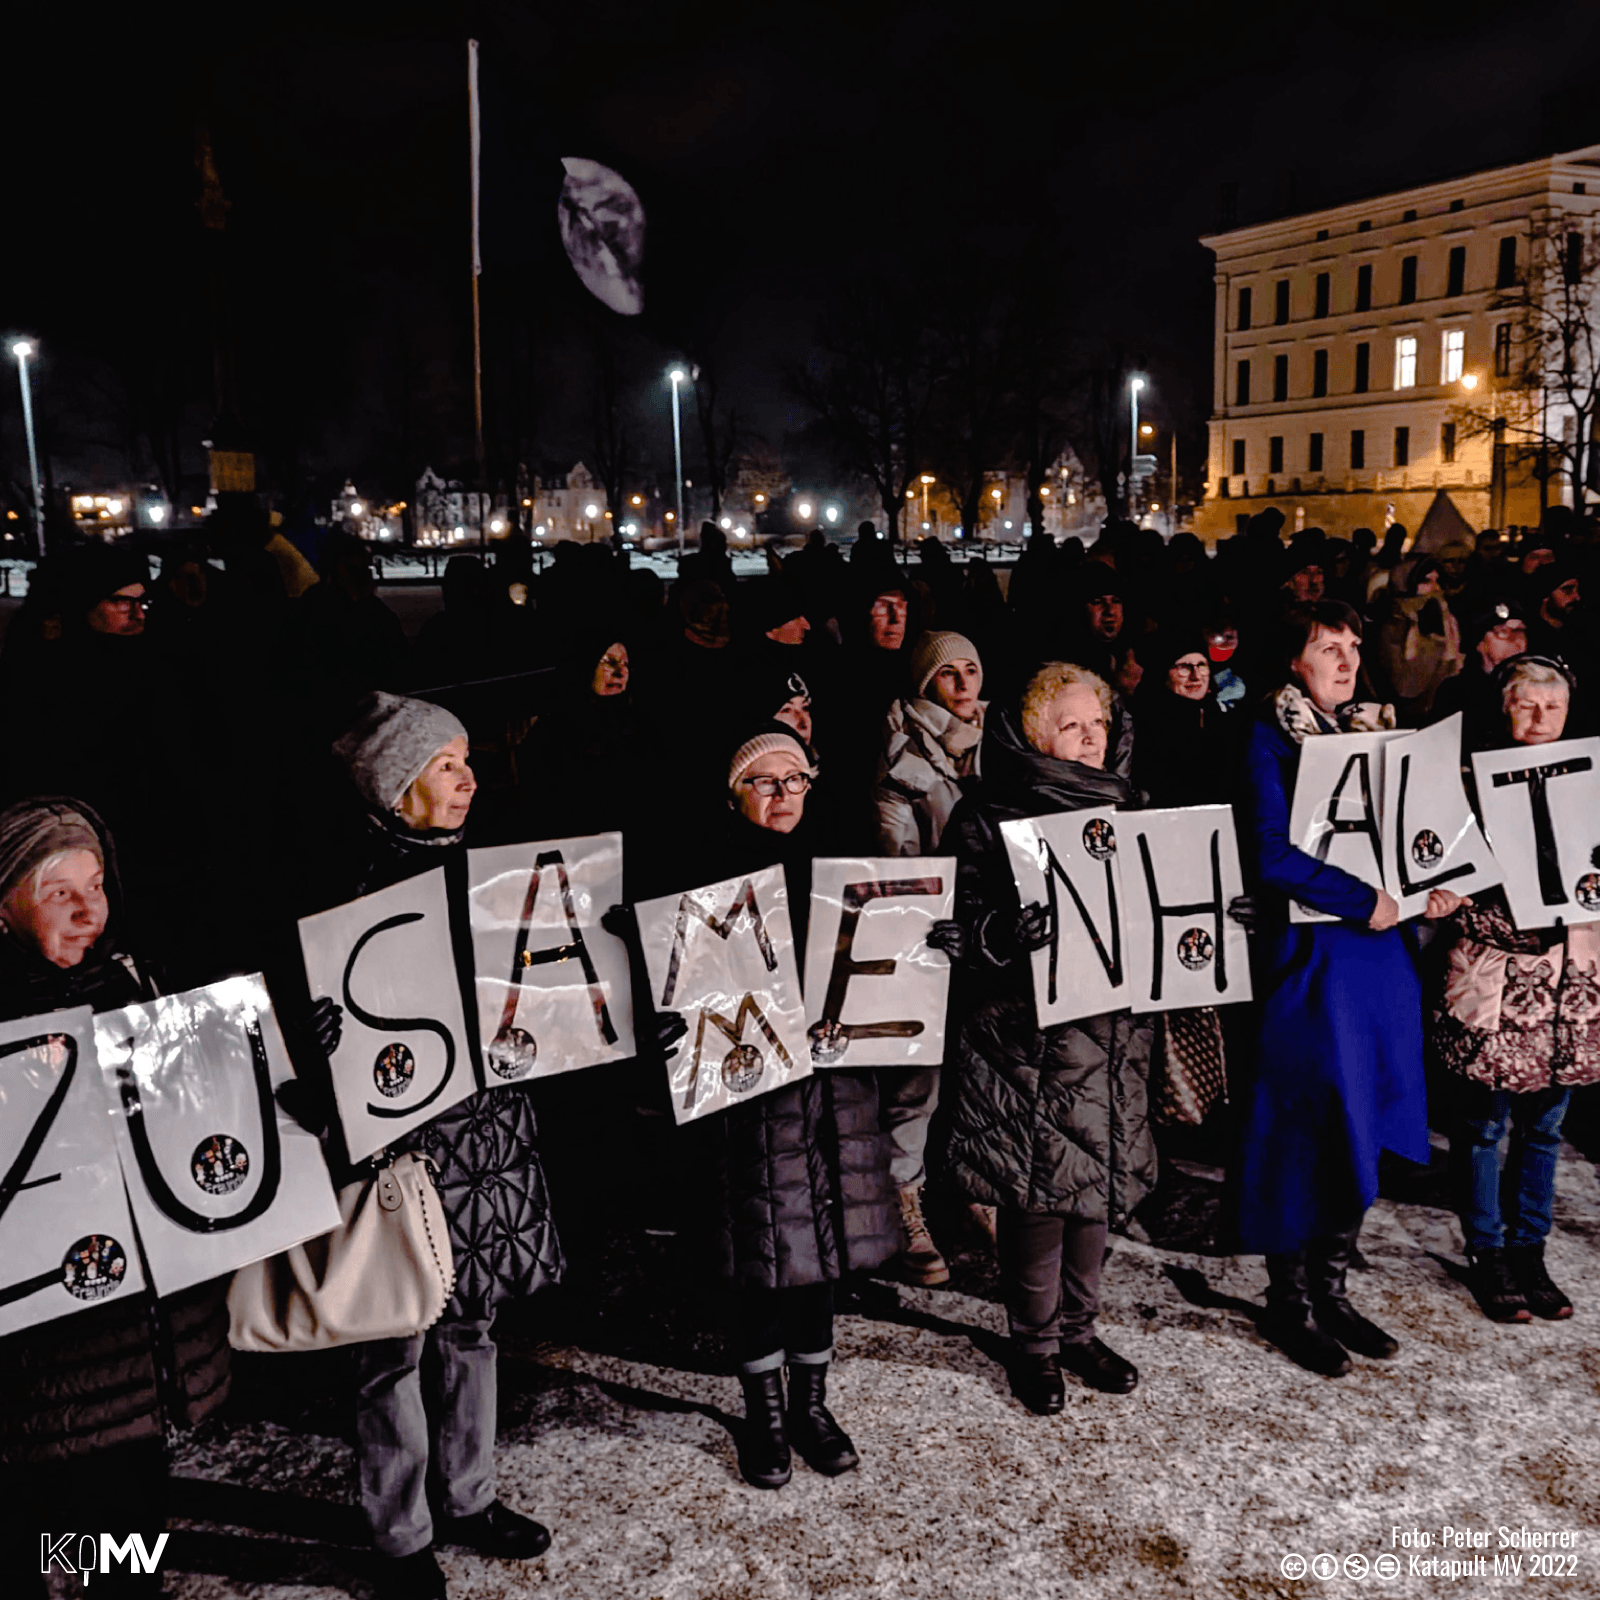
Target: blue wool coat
{"points": [[1339, 1072]]}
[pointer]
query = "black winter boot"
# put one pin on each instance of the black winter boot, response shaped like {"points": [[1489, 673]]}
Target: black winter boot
{"points": [[1327, 1263], [1286, 1322], [823, 1445], [763, 1445], [1528, 1271], [1500, 1297]]}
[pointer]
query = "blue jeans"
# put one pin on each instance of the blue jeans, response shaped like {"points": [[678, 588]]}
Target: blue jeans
{"points": [[1510, 1206], [425, 1418]]}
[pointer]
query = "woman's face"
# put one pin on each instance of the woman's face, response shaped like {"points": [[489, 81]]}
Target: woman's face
{"points": [[1074, 727], [1327, 667], [956, 686], [441, 795], [761, 796], [888, 620], [64, 912], [1189, 677], [1537, 712], [611, 672], [796, 713]]}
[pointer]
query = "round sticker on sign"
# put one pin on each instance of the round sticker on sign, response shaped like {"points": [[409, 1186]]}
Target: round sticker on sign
{"points": [[1587, 891], [513, 1053], [1195, 949], [741, 1068], [829, 1042], [94, 1267], [1099, 838], [1427, 849], [393, 1070], [220, 1164]]}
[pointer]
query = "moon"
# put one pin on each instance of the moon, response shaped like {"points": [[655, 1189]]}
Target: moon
{"points": [[602, 229]]}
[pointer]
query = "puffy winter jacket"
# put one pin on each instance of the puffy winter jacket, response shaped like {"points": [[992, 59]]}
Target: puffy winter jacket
{"points": [[1047, 1120], [486, 1149]]}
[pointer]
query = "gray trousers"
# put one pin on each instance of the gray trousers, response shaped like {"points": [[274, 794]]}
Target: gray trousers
{"points": [[425, 1419], [907, 1100], [1050, 1273]]}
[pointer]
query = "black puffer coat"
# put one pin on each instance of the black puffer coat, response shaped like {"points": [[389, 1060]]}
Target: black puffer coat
{"points": [[796, 1182], [486, 1149], [115, 1374], [1051, 1120]]}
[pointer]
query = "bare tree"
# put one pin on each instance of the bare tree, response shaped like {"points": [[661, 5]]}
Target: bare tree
{"points": [[1542, 393], [871, 391], [721, 432], [974, 420], [1097, 425]]}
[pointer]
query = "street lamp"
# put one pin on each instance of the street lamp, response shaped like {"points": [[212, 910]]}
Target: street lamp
{"points": [[927, 478], [1134, 386], [678, 375], [23, 350]]}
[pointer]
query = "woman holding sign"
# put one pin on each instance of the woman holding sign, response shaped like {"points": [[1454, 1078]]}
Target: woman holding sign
{"points": [[1050, 1125], [1518, 1029], [87, 1399], [433, 1420], [1339, 1076], [796, 1179]]}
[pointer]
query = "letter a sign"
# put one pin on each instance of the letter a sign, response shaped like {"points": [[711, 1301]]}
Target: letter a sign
{"points": [[1337, 814], [724, 957]]}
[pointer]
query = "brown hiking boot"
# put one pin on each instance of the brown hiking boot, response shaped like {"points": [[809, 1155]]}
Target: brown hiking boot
{"points": [[920, 1261]]}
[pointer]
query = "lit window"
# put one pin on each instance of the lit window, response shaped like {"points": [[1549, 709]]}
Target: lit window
{"points": [[1454, 359], [1405, 363]]}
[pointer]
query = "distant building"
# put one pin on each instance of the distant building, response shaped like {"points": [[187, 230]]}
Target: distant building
{"points": [[1369, 356]]}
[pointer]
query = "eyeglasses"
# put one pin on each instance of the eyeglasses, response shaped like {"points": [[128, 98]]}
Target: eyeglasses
{"points": [[769, 788], [126, 603], [1191, 669]]}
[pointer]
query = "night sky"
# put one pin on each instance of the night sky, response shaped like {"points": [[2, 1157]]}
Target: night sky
{"points": [[780, 153]]}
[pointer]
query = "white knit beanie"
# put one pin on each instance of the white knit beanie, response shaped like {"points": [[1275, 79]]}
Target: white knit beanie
{"points": [[935, 650], [764, 744]]}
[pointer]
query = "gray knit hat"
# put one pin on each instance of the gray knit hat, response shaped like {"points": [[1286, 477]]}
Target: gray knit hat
{"points": [[392, 740], [34, 830], [934, 650]]}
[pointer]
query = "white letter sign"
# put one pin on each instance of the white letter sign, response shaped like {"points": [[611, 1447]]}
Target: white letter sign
{"points": [[1541, 810], [724, 956], [1180, 873], [1068, 862], [1337, 814], [875, 991], [66, 1235], [403, 1057], [552, 984], [1431, 840], [218, 1177]]}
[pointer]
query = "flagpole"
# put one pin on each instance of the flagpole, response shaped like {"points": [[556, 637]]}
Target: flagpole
{"points": [[477, 272]]}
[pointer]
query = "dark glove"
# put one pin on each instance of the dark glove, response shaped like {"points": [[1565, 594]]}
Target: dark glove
{"points": [[669, 1028], [326, 1025], [949, 936], [618, 922], [1245, 911], [1005, 938], [1594, 857], [310, 1107]]}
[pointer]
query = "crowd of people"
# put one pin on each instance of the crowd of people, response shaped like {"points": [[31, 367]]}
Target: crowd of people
{"points": [[198, 760]]}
